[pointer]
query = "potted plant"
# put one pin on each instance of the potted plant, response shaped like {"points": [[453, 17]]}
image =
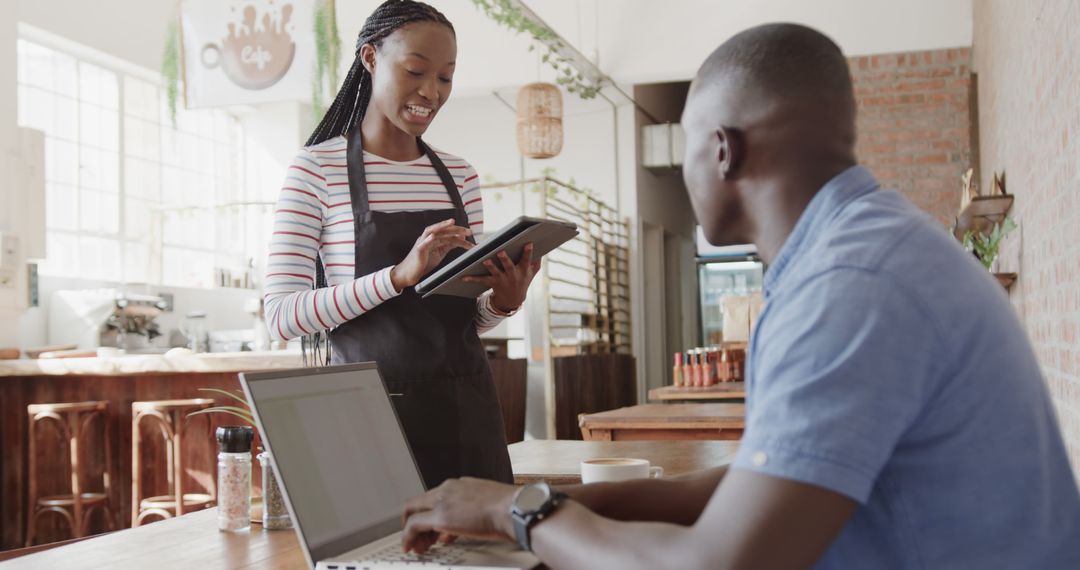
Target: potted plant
{"points": [[985, 246], [275, 515]]}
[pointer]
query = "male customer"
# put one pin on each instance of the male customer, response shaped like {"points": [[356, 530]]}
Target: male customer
{"points": [[897, 416]]}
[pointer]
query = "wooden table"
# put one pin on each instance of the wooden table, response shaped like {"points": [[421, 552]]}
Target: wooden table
{"points": [[559, 461], [193, 541], [722, 392], [666, 422]]}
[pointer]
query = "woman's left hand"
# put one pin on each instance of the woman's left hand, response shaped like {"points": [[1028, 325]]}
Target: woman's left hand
{"points": [[509, 283]]}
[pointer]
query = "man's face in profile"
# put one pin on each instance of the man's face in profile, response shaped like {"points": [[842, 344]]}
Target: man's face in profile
{"points": [[709, 193]]}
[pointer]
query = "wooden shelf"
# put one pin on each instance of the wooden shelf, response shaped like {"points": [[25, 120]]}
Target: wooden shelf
{"points": [[1006, 279], [722, 391], [982, 213]]}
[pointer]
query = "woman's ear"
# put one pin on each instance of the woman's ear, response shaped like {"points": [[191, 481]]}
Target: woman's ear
{"points": [[367, 57]]}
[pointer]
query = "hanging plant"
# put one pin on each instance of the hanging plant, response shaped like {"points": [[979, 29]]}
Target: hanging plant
{"points": [[508, 15], [327, 56], [170, 67]]}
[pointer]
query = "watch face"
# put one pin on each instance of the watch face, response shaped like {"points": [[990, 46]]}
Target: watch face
{"points": [[531, 498]]}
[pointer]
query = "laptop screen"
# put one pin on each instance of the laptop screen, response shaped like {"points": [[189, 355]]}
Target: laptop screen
{"points": [[341, 455]]}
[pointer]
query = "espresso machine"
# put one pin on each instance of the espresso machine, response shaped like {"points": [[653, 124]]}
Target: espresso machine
{"points": [[93, 318]]}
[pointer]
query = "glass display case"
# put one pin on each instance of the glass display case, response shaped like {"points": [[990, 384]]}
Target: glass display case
{"points": [[723, 271]]}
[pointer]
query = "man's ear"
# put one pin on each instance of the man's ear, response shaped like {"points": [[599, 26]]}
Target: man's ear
{"points": [[367, 57], [729, 152]]}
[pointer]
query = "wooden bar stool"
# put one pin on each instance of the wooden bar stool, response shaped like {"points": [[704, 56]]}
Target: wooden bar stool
{"points": [[72, 420], [170, 417]]}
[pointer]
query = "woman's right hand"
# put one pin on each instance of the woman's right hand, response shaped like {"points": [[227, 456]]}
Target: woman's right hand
{"points": [[428, 252]]}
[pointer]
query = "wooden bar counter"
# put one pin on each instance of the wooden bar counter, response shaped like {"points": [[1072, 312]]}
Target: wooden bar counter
{"points": [[119, 381]]}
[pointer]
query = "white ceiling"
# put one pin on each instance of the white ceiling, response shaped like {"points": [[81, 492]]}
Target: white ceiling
{"points": [[632, 40]]}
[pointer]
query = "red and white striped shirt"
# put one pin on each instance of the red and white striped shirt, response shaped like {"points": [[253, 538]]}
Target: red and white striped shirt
{"points": [[314, 217]]}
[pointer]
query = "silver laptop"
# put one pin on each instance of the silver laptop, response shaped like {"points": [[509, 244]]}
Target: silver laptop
{"points": [[346, 471]]}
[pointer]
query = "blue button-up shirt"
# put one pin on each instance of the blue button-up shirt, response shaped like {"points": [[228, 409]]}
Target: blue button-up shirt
{"points": [[888, 366]]}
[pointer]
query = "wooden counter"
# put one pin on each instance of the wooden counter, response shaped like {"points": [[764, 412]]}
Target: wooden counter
{"points": [[180, 361], [724, 391], [665, 421], [121, 381]]}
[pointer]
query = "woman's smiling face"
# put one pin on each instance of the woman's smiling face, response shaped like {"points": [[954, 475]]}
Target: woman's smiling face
{"points": [[412, 74]]}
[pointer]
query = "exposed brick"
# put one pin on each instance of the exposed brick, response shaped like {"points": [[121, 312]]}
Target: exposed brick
{"points": [[1028, 120], [913, 124]]}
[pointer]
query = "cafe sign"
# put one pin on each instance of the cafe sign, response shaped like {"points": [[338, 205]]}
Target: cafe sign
{"points": [[247, 51]]}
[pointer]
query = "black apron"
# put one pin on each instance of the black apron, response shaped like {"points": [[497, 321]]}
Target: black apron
{"points": [[428, 350]]}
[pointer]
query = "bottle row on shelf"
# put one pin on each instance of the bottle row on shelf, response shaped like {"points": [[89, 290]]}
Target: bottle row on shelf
{"points": [[701, 367]]}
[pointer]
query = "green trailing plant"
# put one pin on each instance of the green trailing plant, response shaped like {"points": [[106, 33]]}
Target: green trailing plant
{"points": [[242, 410], [170, 67], [327, 56], [985, 246], [508, 15]]}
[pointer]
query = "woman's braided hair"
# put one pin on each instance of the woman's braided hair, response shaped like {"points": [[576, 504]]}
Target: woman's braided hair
{"points": [[352, 99]]}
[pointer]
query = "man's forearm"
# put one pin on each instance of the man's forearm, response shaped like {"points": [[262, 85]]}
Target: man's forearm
{"points": [[678, 500], [575, 537]]}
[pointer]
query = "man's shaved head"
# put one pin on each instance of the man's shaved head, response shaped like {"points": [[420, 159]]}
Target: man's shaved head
{"points": [[782, 62], [770, 118]]}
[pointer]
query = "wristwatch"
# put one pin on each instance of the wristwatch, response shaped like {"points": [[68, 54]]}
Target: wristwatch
{"points": [[532, 504]]}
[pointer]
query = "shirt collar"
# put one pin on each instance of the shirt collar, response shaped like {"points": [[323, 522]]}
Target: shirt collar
{"points": [[843, 188]]}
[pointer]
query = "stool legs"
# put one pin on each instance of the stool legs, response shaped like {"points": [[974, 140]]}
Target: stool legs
{"points": [[172, 425], [31, 503], [72, 421], [76, 486], [136, 471]]}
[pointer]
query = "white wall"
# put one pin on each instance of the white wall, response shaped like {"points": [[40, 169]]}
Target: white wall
{"points": [[645, 40], [634, 40], [8, 137], [133, 30], [638, 41]]}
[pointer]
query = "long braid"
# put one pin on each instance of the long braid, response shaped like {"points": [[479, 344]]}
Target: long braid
{"points": [[348, 110], [352, 99]]}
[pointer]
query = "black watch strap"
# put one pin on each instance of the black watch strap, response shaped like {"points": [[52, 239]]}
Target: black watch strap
{"points": [[524, 521]]}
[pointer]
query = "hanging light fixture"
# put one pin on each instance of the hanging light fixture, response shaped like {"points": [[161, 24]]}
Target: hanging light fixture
{"points": [[539, 120]]}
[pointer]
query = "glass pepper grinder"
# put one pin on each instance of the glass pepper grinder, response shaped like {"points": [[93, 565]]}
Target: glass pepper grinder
{"points": [[275, 513], [234, 477]]}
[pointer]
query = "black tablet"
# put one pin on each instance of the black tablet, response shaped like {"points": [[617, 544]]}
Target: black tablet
{"points": [[545, 235]]}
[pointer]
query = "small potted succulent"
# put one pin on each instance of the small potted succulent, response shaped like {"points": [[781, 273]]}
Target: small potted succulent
{"points": [[985, 246]]}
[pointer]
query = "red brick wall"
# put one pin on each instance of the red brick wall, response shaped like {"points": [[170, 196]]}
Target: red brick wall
{"points": [[914, 124], [1026, 55]]}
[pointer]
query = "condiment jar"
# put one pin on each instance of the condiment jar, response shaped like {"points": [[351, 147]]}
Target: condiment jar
{"points": [[234, 477]]}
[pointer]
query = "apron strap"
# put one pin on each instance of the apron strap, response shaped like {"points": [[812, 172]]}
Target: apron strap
{"points": [[451, 187], [358, 193]]}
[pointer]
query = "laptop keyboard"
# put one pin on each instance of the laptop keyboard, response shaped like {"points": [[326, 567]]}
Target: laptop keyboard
{"points": [[438, 555]]}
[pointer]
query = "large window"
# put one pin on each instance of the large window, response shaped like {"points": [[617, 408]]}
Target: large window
{"points": [[130, 197]]}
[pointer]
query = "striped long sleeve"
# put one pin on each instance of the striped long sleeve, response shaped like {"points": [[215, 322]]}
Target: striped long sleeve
{"points": [[314, 218]]}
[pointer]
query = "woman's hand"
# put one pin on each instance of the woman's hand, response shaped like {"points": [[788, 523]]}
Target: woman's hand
{"points": [[474, 508], [509, 283], [428, 252]]}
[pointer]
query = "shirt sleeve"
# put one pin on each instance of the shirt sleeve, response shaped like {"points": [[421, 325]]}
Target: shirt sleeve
{"points": [[842, 367], [487, 317], [293, 308]]}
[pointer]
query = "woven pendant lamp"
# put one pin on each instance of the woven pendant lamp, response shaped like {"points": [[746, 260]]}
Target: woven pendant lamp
{"points": [[539, 120]]}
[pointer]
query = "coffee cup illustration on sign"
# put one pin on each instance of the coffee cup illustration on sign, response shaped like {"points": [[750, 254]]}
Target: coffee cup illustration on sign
{"points": [[254, 56]]}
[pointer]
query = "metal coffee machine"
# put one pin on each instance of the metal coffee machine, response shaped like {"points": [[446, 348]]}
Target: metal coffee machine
{"points": [[131, 325], [93, 318]]}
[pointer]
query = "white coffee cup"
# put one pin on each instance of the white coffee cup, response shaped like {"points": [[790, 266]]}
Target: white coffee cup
{"points": [[618, 469]]}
